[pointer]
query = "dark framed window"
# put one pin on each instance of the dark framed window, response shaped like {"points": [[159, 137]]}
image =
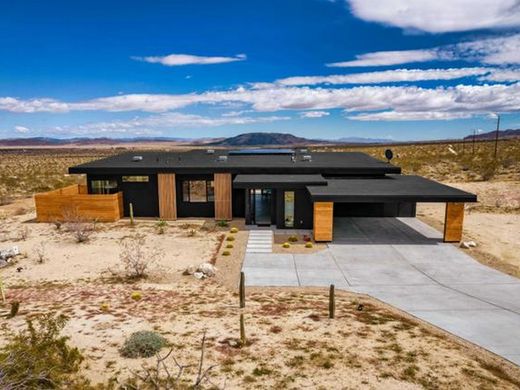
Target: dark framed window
{"points": [[198, 191], [104, 187]]}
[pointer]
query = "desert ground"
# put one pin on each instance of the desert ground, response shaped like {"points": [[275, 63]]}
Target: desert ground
{"points": [[290, 341]]}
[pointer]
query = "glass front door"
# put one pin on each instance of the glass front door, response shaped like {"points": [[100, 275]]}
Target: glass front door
{"points": [[260, 205]]}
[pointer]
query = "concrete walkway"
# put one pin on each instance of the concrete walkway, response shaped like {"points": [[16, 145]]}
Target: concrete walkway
{"points": [[403, 262]]}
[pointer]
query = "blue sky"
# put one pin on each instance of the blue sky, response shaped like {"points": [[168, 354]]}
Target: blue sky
{"points": [[400, 69]]}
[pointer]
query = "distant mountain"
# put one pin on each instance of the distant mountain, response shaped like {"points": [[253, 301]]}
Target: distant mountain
{"points": [[48, 141], [502, 134], [259, 139], [361, 140]]}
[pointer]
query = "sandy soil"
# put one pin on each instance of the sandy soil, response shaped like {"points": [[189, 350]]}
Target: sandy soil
{"points": [[493, 223], [291, 341]]}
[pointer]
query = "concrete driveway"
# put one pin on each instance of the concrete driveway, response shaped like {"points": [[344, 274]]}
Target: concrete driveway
{"points": [[403, 262]]}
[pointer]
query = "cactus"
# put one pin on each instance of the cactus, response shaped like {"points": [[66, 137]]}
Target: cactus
{"points": [[243, 340], [131, 210], [242, 290], [332, 302], [2, 292]]}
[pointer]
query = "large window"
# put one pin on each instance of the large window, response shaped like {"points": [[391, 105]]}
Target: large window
{"points": [[288, 209], [198, 191], [103, 186]]}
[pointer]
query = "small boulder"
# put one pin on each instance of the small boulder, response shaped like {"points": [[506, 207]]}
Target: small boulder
{"points": [[207, 269], [472, 244], [464, 245], [3, 263], [198, 275], [190, 270]]}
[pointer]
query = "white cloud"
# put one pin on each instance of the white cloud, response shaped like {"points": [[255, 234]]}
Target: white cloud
{"points": [[439, 16], [502, 75], [492, 51], [467, 99], [387, 76], [314, 114], [157, 124], [409, 116], [381, 58], [188, 59], [21, 129]]}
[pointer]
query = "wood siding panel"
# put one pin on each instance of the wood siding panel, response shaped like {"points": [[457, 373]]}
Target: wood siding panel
{"points": [[167, 196], [59, 204], [453, 221], [323, 221], [223, 198]]}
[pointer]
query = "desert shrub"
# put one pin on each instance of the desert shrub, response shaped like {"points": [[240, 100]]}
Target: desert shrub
{"points": [[308, 245], [135, 258], [233, 230], [104, 307], [191, 233], [161, 226], [142, 344], [136, 295], [226, 253], [41, 253], [80, 227], [24, 233], [38, 357], [15, 307], [229, 246], [230, 238], [222, 223], [293, 239], [286, 245]]}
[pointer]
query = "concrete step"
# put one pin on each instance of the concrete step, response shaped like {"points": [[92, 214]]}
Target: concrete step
{"points": [[259, 251]]}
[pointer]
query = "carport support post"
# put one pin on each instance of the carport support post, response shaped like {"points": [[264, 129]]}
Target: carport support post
{"points": [[453, 221]]}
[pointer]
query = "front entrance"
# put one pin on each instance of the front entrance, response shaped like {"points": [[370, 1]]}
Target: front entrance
{"points": [[260, 203]]}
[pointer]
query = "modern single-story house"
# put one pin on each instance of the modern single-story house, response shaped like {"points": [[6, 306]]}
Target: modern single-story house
{"points": [[291, 189]]}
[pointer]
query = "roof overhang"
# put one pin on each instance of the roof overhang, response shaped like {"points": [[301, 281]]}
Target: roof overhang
{"points": [[390, 188], [278, 181]]}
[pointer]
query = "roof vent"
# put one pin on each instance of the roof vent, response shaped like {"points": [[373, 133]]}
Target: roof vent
{"points": [[306, 157], [303, 150], [222, 158], [137, 158], [210, 151]]}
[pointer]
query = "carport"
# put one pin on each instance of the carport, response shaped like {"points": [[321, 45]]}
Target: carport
{"points": [[388, 196]]}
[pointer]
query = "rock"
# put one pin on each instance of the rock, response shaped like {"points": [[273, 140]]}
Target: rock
{"points": [[452, 151], [472, 244], [233, 343], [3, 263], [198, 275], [190, 270], [464, 245], [207, 269], [8, 253]]}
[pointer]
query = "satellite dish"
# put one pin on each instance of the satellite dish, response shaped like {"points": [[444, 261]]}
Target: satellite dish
{"points": [[389, 154]]}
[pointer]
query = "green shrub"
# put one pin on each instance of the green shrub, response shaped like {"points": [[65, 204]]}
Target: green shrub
{"points": [[142, 344], [38, 357], [229, 246], [308, 245], [136, 295], [230, 238], [161, 226], [233, 230], [293, 239], [286, 245], [226, 253], [222, 223]]}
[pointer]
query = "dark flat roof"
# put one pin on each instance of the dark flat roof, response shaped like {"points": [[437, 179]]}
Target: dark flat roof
{"points": [[277, 181], [199, 161], [388, 188]]}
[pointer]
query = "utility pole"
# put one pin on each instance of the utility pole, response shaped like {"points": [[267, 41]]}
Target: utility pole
{"points": [[496, 135]]}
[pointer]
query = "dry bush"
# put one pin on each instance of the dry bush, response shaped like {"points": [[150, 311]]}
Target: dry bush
{"points": [[41, 253], [80, 227], [24, 233], [135, 258]]}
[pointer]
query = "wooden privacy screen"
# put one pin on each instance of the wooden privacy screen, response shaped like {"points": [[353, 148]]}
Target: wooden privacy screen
{"points": [[73, 202], [222, 185], [323, 221], [453, 221], [167, 196]]}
